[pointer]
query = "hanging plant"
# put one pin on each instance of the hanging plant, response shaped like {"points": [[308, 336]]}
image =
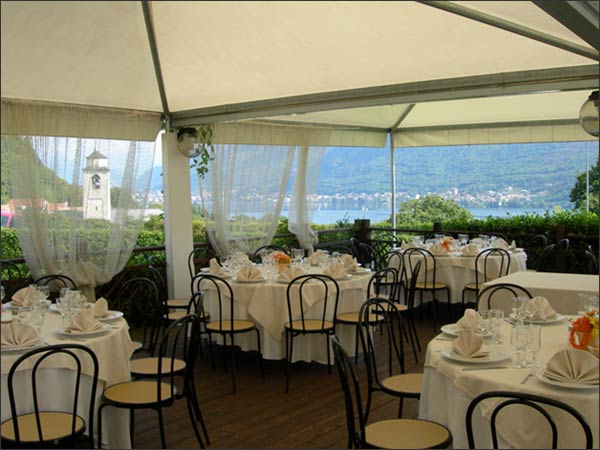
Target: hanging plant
{"points": [[196, 143]]}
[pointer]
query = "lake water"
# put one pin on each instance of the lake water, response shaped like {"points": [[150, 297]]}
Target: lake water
{"points": [[330, 216]]}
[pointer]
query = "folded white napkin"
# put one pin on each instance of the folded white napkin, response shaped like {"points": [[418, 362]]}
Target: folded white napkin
{"points": [[407, 245], [290, 273], [17, 333], [335, 270], [470, 250], [249, 273], [84, 321], [241, 256], [539, 308], [26, 296], [350, 263], [501, 243], [215, 268], [100, 308], [573, 366], [469, 345], [438, 249], [471, 320], [315, 258]]}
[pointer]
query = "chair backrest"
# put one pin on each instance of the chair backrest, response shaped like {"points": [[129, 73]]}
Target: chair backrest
{"points": [[319, 286], [199, 257], [179, 341], [223, 294], [546, 259], [261, 252], [140, 300], [560, 257], [535, 247], [10, 270], [592, 261], [411, 287], [428, 264], [355, 420], [156, 275], [490, 264], [513, 290], [383, 309], [534, 402], [56, 282], [75, 353], [384, 281], [366, 256]]}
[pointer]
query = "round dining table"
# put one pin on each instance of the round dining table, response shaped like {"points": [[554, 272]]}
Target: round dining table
{"points": [[265, 303], [450, 385], [113, 348]]}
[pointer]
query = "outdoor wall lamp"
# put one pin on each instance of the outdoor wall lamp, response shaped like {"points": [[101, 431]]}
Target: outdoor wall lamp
{"points": [[588, 114]]}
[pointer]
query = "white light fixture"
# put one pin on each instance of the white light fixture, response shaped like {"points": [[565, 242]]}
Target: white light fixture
{"points": [[186, 142], [588, 115]]}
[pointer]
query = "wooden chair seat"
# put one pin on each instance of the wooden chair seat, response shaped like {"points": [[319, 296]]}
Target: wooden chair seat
{"points": [[406, 383], [352, 318], [310, 325], [178, 302], [175, 315], [137, 393], [400, 307], [406, 433], [471, 286], [55, 426], [225, 325], [430, 285], [149, 366]]}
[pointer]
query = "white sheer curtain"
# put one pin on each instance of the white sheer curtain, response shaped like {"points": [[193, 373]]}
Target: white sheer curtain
{"points": [[243, 192], [79, 203]]}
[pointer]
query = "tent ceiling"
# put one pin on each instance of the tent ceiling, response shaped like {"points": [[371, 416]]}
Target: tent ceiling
{"points": [[218, 54]]}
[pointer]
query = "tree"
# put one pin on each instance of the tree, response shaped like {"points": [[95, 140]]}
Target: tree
{"points": [[578, 193], [430, 209]]}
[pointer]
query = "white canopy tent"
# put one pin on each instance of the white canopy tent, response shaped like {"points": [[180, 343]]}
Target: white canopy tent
{"points": [[430, 73]]}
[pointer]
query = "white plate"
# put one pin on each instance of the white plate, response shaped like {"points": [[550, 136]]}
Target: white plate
{"points": [[8, 305], [360, 271], [112, 315], [491, 358], [452, 329], [260, 280], [63, 332], [542, 377], [7, 317], [558, 318], [21, 348], [345, 277]]}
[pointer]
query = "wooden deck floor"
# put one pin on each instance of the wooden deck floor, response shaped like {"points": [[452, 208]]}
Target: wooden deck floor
{"points": [[262, 415]]}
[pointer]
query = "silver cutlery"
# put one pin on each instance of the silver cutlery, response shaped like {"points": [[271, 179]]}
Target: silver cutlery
{"points": [[526, 379], [485, 368]]}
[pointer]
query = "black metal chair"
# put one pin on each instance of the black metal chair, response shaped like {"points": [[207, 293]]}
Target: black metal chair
{"points": [[428, 277], [56, 282], [554, 257], [535, 247], [47, 428], [592, 261], [400, 385], [536, 403], [225, 324], [175, 308], [366, 256], [260, 252], [298, 326], [178, 343], [483, 271], [513, 290], [198, 258], [394, 433]]}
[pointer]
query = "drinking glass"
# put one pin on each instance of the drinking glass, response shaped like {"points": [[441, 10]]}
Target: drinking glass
{"points": [[519, 339], [534, 345], [418, 240], [483, 326], [24, 314], [297, 255], [586, 303], [37, 316], [463, 239], [518, 310], [496, 317]]}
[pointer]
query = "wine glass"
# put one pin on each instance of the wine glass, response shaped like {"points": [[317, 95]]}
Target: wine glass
{"points": [[37, 316], [518, 313]]}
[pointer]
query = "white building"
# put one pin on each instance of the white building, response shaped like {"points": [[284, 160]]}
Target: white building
{"points": [[96, 187]]}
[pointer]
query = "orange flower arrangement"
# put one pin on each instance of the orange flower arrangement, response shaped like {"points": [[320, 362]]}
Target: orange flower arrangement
{"points": [[583, 330], [446, 243], [281, 258]]}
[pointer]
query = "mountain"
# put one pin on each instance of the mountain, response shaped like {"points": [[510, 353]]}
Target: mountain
{"points": [[546, 170]]}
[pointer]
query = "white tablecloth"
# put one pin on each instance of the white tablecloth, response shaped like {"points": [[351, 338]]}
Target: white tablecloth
{"points": [[447, 391], [457, 270], [113, 350], [560, 289], [266, 305]]}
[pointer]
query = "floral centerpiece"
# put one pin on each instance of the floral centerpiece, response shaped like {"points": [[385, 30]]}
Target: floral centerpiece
{"points": [[584, 331], [446, 243], [281, 259]]}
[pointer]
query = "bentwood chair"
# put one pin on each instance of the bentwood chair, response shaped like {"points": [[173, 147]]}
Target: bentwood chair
{"points": [[490, 264], [225, 324], [540, 409], [390, 349], [428, 277], [592, 261], [178, 343], [175, 308], [45, 428], [394, 433], [198, 258], [316, 286], [496, 295], [56, 282], [261, 252]]}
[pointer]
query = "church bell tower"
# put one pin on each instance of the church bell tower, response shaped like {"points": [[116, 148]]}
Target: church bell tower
{"points": [[96, 187]]}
